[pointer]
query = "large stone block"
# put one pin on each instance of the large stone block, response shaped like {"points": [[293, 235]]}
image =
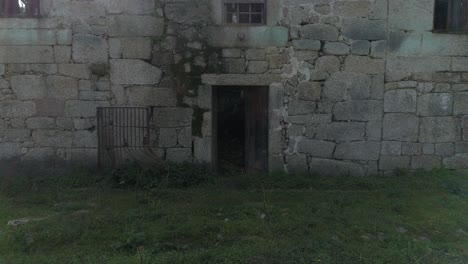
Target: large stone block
{"points": [[316, 148], [439, 129], [241, 79], [445, 149], [31, 23], [89, 48], [255, 37], [136, 48], [413, 64], [232, 65], [460, 106], [374, 130], [62, 54], [167, 138], [310, 91], [365, 110], [307, 44], [173, 117], [151, 96], [257, 66], [195, 13], [17, 135], [49, 107], [341, 131], [411, 149], [28, 87], [135, 7], [361, 150], [360, 47], [435, 104], [411, 15], [297, 163], [10, 151], [184, 137], [53, 138], [460, 64], [134, 72], [364, 65], [300, 107], [459, 161], [400, 101], [309, 119], [23, 37], [319, 32], [64, 37], [17, 109], [327, 64], [425, 162], [345, 86], [26, 54], [400, 127], [364, 29], [75, 108], [389, 163], [80, 71], [330, 167], [336, 48], [392, 148], [135, 26], [352, 8], [40, 123], [62, 88], [202, 149], [85, 139]]}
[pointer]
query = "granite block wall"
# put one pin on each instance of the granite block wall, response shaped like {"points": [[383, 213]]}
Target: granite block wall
{"points": [[356, 87]]}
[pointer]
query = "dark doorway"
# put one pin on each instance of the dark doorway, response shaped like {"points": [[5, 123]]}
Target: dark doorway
{"points": [[240, 125]]}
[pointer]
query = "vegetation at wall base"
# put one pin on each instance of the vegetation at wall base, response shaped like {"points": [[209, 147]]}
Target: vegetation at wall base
{"points": [[185, 214]]}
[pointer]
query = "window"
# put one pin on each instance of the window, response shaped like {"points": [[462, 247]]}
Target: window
{"points": [[451, 15], [244, 12], [19, 8]]}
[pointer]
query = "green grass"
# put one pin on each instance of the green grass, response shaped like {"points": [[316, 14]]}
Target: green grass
{"points": [[412, 218]]}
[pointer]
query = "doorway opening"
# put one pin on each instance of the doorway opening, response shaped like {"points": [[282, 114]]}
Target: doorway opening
{"points": [[240, 126]]}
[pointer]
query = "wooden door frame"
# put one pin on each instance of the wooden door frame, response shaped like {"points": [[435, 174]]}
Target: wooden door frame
{"points": [[214, 122]]}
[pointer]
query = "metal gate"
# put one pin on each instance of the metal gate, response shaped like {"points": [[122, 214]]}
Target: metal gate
{"points": [[124, 134]]}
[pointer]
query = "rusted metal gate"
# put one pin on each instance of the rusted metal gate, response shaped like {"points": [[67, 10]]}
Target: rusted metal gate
{"points": [[124, 134]]}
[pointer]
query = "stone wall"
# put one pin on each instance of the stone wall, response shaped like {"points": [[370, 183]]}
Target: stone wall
{"points": [[357, 86]]}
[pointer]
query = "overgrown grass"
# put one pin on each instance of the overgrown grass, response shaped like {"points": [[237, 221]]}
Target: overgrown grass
{"points": [[93, 217]]}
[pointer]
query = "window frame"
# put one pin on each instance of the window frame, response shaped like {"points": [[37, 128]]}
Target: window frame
{"points": [[25, 15], [448, 30], [264, 15]]}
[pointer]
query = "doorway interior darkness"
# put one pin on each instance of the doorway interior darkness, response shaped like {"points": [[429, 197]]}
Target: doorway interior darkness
{"points": [[240, 126]]}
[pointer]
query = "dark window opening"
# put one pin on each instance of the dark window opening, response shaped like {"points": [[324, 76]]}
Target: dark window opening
{"points": [[19, 8], [451, 15], [240, 128], [244, 12]]}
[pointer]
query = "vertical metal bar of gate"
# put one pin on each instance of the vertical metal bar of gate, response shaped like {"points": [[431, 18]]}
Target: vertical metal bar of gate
{"points": [[123, 133]]}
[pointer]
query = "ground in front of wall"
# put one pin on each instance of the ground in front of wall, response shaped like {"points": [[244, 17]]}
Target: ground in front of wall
{"points": [[419, 218]]}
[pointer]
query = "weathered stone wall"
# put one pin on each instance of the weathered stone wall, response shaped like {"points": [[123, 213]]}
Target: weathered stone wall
{"points": [[356, 86]]}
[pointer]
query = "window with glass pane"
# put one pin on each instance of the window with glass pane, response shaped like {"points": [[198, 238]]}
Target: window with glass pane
{"points": [[244, 12], [19, 8], [451, 15]]}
